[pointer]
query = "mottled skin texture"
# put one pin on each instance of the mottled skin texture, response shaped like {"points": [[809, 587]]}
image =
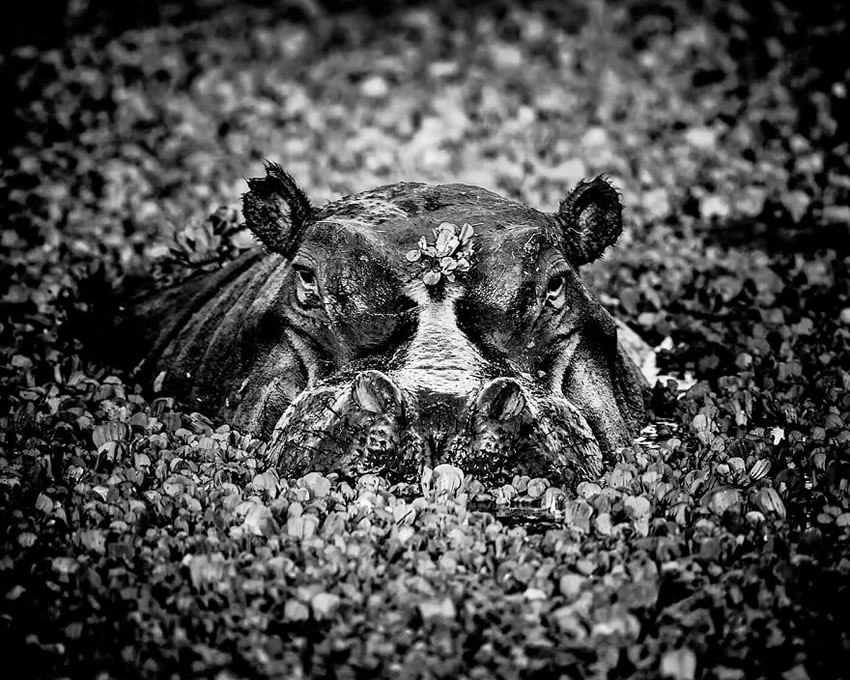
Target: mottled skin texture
{"points": [[329, 342]]}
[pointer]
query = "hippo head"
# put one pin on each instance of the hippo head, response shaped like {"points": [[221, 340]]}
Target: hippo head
{"points": [[446, 324]]}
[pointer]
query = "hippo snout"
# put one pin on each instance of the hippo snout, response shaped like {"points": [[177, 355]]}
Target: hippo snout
{"points": [[370, 423]]}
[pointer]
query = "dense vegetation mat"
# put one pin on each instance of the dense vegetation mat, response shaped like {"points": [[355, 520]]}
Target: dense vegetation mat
{"points": [[138, 538]]}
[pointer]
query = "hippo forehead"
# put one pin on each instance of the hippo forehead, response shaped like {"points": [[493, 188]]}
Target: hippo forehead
{"points": [[389, 220]]}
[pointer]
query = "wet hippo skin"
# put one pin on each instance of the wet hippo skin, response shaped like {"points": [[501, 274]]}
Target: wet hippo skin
{"points": [[405, 326]]}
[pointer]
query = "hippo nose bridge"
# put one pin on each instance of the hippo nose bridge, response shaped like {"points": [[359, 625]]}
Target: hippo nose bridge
{"points": [[441, 359]]}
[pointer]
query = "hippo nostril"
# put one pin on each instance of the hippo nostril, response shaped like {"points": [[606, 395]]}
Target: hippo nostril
{"points": [[502, 399], [375, 392]]}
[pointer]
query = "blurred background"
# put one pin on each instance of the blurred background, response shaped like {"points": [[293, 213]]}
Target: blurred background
{"points": [[724, 125]]}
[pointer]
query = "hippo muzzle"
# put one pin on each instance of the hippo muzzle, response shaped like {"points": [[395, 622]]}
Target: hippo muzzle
{"points": [[371, 425], [408, 326]]}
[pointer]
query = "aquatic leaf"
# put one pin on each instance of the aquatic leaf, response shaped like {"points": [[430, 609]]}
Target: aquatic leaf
{"points": [[446, 243], [44, 503], [403, 513], [447, 479], [759, 469], [603, 523], [27, 539], [260, 521], [571, 585], [205, 569], [679, 664], [466, 233], [506, 493], [324, 605], [294, 610], [266, 481], [553, 499], [620, 478], [577, 514], [723, 499], [65, 565], [588, 490], [637, 507], [93, 539], [434, 608], [109, 432], [767, 500], [738, 464], [537, 487], [316, 483]]}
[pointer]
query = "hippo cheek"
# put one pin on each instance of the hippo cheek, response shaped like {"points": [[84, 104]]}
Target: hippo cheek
{"points": [[353, 427], [516, 431], [564, 438]]}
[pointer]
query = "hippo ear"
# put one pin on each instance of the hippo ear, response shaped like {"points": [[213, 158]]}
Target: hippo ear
{"points": [[276, 210], [591, 218]]}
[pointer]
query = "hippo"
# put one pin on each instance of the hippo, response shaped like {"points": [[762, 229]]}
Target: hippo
{"points": [[404, 327]]}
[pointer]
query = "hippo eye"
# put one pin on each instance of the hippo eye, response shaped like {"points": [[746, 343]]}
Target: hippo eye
{"points": [[404, 305], [307, 277], [307, 287], [555, 292]]}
